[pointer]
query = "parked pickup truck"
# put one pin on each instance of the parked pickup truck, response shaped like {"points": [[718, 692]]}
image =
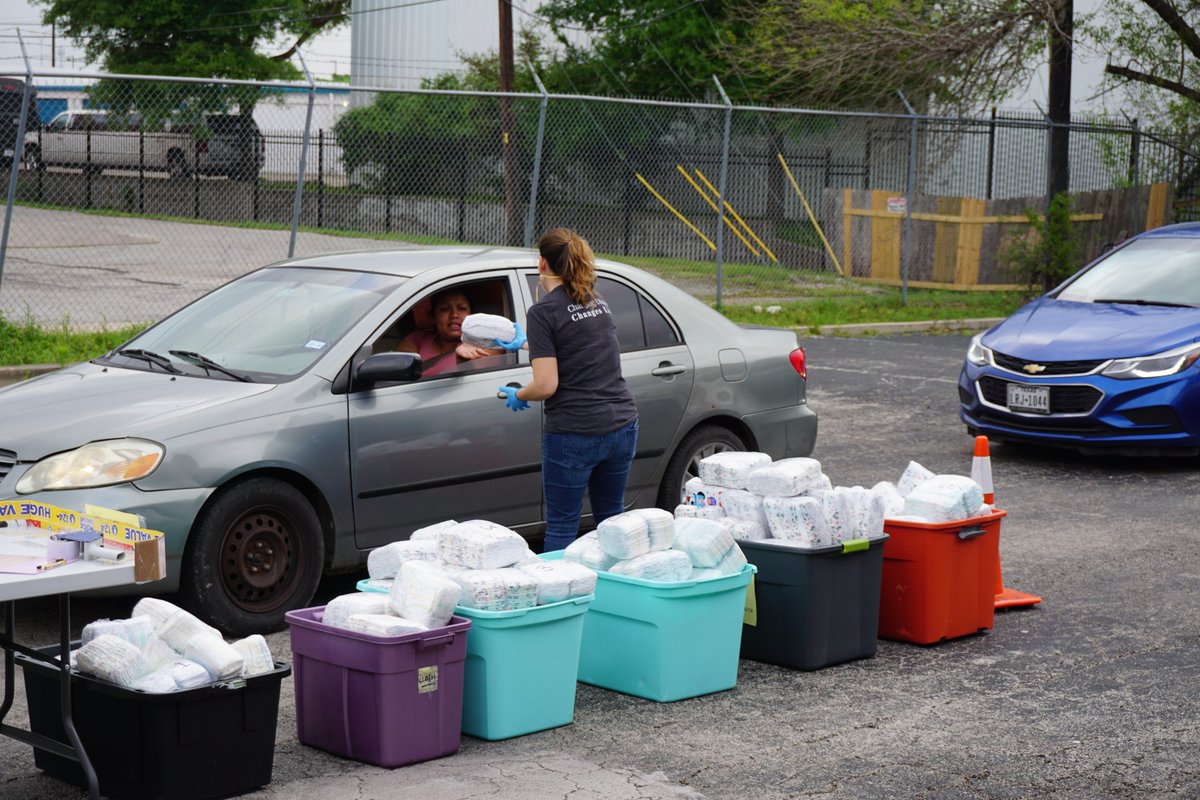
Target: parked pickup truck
{"points": [[224, 144]]}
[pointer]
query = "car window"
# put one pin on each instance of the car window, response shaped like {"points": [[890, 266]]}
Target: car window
{"points": [[639, 322], [59, 123], [272, 324], [1152, 270], [416, 330]]}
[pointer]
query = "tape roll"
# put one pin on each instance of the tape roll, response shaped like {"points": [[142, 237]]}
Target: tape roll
{"points": [[58, 549], [96, 550]]}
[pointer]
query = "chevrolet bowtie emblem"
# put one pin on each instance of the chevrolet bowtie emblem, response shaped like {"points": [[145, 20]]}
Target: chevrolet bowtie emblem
{"points": [[1033, 369]]}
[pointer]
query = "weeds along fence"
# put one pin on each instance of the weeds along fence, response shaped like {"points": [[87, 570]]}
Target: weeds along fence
{"points": [[736, 203]]}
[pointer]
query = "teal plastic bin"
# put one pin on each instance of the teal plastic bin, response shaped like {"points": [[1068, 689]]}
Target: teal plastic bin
{"points": [[521, 667], [664, 641]]}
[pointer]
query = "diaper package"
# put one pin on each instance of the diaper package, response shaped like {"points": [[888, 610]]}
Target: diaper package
{"points": [[112, 659], [703, 512], [914, 475], [745, 505], [663, 566], [221, 659], [786, 478], [744, 529], [340, 608], [479, 544], [586, 550], [559, 580], [944, 498], [704, 541], [180, 627], [661, 526], [893, 501], [505, 589], [424, 594], [625, 535], [731, 468], [431, 532], [702, 495], [135, 630], [383, 625], [383, 562], [256, 655], [482, 330], [797, 519]]}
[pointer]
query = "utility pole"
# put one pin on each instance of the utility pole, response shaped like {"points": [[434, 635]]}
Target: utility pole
{"points": [[1059, 100], [508, 128]]}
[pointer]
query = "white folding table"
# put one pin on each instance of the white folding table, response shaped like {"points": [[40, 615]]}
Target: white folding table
{"points": [[77, 576]]}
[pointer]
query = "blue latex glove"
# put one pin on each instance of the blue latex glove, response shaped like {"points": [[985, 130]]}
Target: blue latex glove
{"points": [[512, 401], [517, 340]]}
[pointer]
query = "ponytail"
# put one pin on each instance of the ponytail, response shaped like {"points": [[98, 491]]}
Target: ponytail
{"points": [[570, 257]]}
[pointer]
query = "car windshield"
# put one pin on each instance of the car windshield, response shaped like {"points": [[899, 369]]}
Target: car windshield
{"points": [[1152, 271], [267, 326]]}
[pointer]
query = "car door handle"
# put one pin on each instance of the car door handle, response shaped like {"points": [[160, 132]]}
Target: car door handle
{"points": [[667, 368], [502, 395]]}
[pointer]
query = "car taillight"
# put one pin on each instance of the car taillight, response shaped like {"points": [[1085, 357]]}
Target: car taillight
{"points": [[799, 362]]}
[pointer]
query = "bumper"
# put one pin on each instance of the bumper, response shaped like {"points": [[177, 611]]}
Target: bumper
{"points": [[788, 432], [1135, 417]]}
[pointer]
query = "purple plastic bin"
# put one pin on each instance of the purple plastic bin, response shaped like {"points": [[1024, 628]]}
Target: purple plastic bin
{"points": [[389, 701]]}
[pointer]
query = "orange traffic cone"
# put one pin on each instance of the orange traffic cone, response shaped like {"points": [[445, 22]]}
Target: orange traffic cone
{"points": [[981, 473]]}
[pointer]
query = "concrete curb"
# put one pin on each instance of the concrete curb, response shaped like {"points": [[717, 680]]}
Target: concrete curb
{"points": [[859, 329]]}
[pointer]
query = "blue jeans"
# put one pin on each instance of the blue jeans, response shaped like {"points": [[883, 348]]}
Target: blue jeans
{"points": [[573, 462]]}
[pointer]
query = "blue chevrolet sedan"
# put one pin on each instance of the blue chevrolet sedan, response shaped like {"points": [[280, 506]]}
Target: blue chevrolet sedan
{"points": [[1106, 362]]}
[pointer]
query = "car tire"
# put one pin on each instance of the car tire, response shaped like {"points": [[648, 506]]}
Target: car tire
{"points": [[255, 552], [683, 466]]}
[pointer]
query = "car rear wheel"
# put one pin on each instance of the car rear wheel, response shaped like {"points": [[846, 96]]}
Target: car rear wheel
{"points": [[255, 552], [685, 464], [33, 158]]}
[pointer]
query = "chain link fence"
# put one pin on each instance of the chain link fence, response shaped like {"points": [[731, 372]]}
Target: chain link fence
{"points": [[134, 195]]}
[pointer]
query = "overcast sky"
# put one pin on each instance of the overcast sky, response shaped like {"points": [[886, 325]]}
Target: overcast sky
{"points": [[330, 53]]}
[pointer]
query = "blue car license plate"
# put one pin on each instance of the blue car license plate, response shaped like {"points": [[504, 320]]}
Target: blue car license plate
{"points": [[1029, 399]]}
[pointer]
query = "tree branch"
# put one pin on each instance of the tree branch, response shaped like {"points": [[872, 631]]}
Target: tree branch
{"points": [[1166, 11], [1154, 80]]}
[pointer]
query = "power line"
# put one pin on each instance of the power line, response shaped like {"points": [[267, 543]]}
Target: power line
{"points": [[612, 29], [315, 18]]}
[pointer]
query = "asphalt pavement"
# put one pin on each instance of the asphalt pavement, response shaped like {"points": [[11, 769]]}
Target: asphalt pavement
{"points": [[1089, 695]]}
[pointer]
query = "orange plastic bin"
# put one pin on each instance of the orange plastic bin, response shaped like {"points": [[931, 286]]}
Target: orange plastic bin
{"points": [[939, 579]]}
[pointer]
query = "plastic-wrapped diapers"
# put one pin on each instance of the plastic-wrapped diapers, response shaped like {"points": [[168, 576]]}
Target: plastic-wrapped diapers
{"points": [[836, 509], [661, 525], [342, 607], [181, 627], [702, 495], [383, 562], [157, 653], [482, 330], [431, 532], [424, 594], [111, 659], [731, 468], [703, 512], [383, 625], [135, 630], [944, 498], [744, 529], [157, 682], [893, 501], [586, 550], [663, 566], [797, 519], [256, 655], [787, 477], [745, 505], [216, 655], [913, 476], [187, 674], [156, 609], [559, 580], [624, 536], [480, 544], [505, 589], [733, 561], [705, 541]]}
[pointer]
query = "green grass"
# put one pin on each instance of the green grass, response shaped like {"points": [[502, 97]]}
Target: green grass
{"points": [[26, 343], [923, 304]]}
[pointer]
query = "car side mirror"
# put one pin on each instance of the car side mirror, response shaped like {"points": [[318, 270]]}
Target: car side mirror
{"points": [[387, 368]]}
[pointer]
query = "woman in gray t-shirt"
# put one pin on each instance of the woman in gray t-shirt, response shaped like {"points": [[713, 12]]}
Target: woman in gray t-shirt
{"points": [[590, 431]]}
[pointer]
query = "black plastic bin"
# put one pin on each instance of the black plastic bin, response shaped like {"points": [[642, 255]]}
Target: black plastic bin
{"points": [[816, 606], [197, 744]]}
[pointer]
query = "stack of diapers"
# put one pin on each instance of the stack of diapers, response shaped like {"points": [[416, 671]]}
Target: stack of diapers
{"points": [[944, 498], [163, 648], [384, 562], [559, 580], [479, 544], [482, 330], [505, 589], [339, 610], [424, 593], [663, 566], [788, 477], [709, 544], [586, 550], [732, 468], [635, 533]]}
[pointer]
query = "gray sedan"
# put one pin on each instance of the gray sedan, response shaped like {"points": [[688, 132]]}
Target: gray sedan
{"points": [[272, 431]]}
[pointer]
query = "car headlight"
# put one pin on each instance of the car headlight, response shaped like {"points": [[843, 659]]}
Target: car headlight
{"points": [[977, 354], [95, 464], [1154, 366]]}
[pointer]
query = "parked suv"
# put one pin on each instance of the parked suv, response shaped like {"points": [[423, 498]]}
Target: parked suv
{"points": [[96, 140]]}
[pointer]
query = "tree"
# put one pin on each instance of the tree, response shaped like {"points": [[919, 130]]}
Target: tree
{"points": [[212, 39]]}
